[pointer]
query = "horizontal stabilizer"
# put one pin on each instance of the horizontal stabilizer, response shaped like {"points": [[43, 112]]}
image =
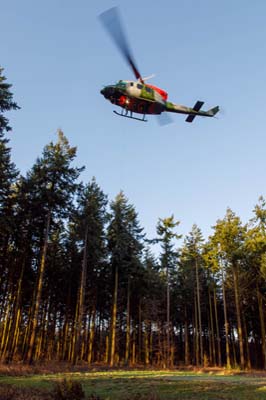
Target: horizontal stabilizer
{"points": [[190, 118], [196, 107]]}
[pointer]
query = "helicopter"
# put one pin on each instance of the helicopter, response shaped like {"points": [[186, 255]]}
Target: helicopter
{"points": [[139, 97]]}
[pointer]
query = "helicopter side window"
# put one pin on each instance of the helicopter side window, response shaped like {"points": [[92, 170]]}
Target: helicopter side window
{"points": [[148, 89], [139, 86], [131, 83]]}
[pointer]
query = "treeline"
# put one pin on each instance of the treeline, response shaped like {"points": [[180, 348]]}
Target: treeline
{"points": [[78, 281]]}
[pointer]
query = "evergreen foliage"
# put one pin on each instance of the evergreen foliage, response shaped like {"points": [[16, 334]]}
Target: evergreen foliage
{"points": [[6, 103]]}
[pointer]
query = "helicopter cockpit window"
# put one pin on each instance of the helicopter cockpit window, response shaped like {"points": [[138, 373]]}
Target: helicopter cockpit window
{"points": [[139, 86], [121, 84]]}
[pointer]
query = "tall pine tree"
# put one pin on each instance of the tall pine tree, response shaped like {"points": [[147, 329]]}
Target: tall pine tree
{"points": [[53, 184], [125, 245]]}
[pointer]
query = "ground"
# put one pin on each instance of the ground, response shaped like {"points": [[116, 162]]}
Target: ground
{"points": [[212, 384]]}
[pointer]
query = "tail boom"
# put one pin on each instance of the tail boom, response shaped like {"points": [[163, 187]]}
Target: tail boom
{"points": [[191, 112]]}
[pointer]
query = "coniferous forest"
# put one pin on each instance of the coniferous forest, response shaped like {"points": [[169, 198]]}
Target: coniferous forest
{"points": [[79, 282]]}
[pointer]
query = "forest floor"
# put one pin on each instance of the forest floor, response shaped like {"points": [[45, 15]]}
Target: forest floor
{"points": [[21, 382]]}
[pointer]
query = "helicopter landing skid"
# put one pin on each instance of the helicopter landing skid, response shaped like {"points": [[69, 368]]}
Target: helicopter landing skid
{"points": [[130, 116]]}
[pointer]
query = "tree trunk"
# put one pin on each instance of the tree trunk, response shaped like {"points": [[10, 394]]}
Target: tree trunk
{"points": [[212, 338], [113, 320], [151, 345], [199, 313], [37, 302], [226, 325], [133, 357], [167, 318], [6, 325], [91, 335], [187, 355], [16, 316], [217, 329], [146, 343], [262, 326], [140, 334], [232, 335], [196, 333], [238, 315], [128, 324], [80, 302], [248, 362], [106, 349]]}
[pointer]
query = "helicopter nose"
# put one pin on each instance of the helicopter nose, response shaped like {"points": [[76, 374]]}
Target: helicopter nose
{"points": [[107, 91]]}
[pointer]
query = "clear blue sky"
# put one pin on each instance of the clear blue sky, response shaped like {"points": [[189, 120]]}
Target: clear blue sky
{"points": [[57, 56]]}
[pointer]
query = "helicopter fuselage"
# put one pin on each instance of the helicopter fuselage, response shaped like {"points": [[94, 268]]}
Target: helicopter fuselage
{"points": [[136, 97]]}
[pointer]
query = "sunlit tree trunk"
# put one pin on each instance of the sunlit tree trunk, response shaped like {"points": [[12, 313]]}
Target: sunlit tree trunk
{"points": [[37, 302], [7, 331], [199, 313], [16, 335], [226, 325], [6, 325], [16, 317], [238, 315], [212, 337], [217, 328], [91, 335], [232, 335]]}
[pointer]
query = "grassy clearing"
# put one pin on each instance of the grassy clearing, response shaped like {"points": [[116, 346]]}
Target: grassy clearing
{"points": [[153, 385]]}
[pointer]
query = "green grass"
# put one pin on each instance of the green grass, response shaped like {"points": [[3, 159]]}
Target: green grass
{"points": [[161, 385]]}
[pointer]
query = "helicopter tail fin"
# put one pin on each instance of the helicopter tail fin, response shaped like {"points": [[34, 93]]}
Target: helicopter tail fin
{"points": [[213, 111]]}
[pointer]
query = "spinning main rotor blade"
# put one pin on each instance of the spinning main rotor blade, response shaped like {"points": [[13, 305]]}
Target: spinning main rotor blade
{"points": [[112, 23]]}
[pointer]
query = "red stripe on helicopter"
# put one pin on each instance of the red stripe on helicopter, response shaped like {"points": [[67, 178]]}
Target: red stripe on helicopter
{"points": [[161, 92]]}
